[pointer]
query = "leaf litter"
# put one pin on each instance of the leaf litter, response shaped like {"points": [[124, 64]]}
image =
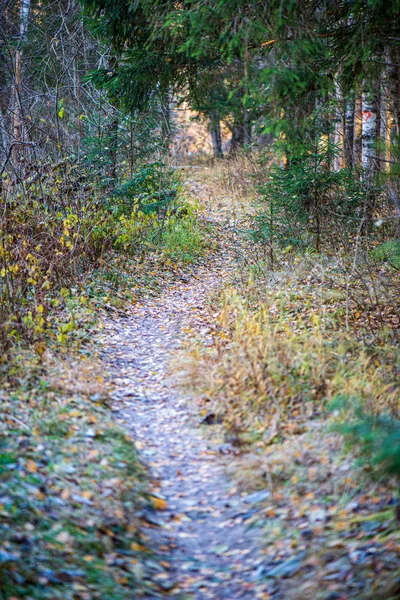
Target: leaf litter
{"points": [[198, 518], [218, 520], [297, 520]]}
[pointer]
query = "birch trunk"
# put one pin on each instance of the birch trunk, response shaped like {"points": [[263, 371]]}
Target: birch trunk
{"points": [[338, 135], [357, 136], [369, 139], [349, 133], [369, 135]]}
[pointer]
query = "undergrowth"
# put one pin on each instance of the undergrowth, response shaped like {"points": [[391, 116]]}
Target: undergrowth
{"points": [[299, 379], [71, 486], [299, 328], [56, 232], [283, 352], [281, 356]]}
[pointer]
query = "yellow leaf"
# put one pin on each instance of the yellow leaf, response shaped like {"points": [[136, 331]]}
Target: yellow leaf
{"points": [[31, 466], [159, 503], [137, 547]]}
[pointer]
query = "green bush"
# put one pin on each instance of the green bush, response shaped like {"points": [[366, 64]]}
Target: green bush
{"points": [[307, 203], [389, 252], [376, 438], [152, 189]]}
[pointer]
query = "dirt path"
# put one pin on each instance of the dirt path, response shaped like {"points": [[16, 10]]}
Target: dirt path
{"points": [[209, 549]]}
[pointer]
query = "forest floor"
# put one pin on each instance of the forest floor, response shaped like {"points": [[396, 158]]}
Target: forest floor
{"points": [[219, 531], [119, 480], [207, 549]]}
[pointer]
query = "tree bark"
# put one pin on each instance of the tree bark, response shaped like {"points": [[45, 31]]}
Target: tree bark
{"points": [[357, 135], [246, 115], [394, 86], [166, 129], [238, 133], [369, 163], [386, 118], [114, 144], [349, 133], [17, 124], [338, 137], [394, 196], [113, 133], [16, 120], [369, 134], [215, 128]]}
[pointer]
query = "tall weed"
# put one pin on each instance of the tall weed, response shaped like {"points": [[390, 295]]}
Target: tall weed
{"points": [[281, 356]]}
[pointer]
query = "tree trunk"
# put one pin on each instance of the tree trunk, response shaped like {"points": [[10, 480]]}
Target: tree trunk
{"points": [[113, 133], [215, 128], [369, 142], [16, 120], [394, 87], [357, 135], [77, 90], [369, 134], [166, 129], [238, 133], [349, 133], [114, 144], [386, 120], [338, 137], [394, 196], [17, 124], [246, 115]]}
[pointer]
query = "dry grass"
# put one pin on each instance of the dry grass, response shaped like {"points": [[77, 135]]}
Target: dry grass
{"points": [[239, 175], [226, 189], [280, 357], [281, 353], [289, 341]]}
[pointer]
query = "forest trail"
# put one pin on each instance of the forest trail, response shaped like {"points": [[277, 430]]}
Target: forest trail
{"points": [[209, 550]]}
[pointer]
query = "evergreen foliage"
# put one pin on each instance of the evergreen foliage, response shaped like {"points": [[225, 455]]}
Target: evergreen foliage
{"points": [[376, 437]]}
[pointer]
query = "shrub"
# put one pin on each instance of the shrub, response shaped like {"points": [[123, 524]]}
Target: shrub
{"points": [[389, 252], [376, 437], [307, 204], [281, 355], [58, 227]]}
